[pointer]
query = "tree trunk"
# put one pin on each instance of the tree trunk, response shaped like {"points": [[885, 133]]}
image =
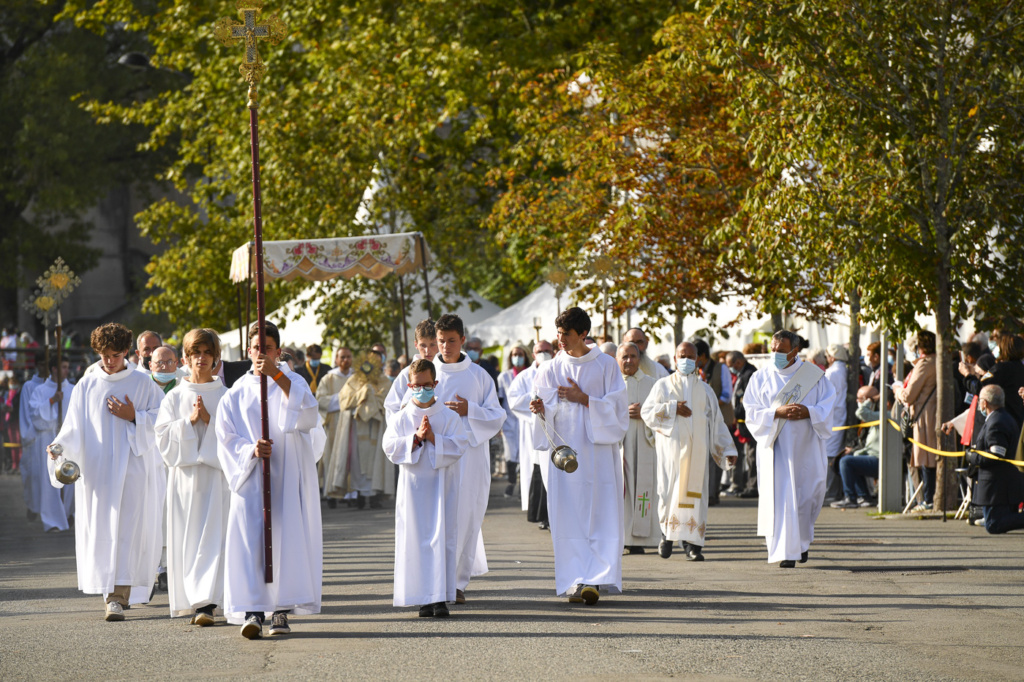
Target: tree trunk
{"points": [[677, 326], [853, 366], [945, 483], [776, 322]]}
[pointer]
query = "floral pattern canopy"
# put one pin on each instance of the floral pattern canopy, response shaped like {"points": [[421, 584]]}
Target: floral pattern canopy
{"points": [[317, 260]]}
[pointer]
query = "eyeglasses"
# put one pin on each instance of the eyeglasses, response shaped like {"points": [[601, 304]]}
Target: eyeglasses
{"points": [[163, 363]]}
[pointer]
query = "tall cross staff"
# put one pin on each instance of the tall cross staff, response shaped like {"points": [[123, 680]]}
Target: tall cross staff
{"points": [[230, 32]]}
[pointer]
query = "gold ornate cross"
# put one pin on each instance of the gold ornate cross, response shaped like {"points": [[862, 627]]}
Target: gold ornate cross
{"points": [[230, 32]]}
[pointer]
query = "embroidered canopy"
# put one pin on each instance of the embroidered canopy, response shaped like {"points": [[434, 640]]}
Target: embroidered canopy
{"points": [[317, 260]]}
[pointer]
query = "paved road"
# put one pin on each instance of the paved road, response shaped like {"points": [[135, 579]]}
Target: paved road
{"points": [[879, 600]]}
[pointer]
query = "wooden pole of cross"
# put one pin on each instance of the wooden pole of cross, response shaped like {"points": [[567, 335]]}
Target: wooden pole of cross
{"points": [[230, 32]]}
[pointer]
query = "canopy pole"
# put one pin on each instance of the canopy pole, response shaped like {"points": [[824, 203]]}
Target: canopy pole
{"points": [[248, 303], [241, 332], [405, 330], [426, 280]]}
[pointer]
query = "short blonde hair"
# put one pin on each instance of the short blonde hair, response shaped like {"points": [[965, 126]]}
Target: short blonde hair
{"points": [[204, 336]]}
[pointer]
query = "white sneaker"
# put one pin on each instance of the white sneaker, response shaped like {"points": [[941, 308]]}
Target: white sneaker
{"points": [[252, 628], [114, 611], [279, 624]]}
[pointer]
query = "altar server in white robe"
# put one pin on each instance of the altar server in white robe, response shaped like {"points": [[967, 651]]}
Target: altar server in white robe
{"points": [[688, 426], [581, 402], [33, 469], [327, 390], [426, 440], [197, 492], [43, 407], [520, 393], [789, 412], [465, 388], [639, 457], [108, 432], [426, 349], [295, 444]]}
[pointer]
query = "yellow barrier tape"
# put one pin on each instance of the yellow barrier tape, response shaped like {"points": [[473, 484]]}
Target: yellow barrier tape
{"points": [[12, 445]]}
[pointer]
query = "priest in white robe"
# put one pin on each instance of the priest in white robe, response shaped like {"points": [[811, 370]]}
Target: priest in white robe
{"points": [[532, 459], [198, 498], [581, 402], [789, 412], [465, 388], [640, 460], [426, 440], [43, 407], [648, 365], [683, 411], [518, 360], [295, 444], [327, 391], [33, 469], [108, 432]]}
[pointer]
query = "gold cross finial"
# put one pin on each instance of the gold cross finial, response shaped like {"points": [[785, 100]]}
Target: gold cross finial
{"points": [[230, 32]]}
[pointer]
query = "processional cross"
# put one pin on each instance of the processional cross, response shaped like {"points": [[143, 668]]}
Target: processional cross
{"points": [[230, 32]]}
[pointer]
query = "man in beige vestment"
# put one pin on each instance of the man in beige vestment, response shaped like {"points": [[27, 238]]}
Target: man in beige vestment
{"points": [[640, 461], [687, 422]]}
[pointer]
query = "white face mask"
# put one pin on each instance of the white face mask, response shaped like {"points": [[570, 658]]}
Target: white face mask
{"points": [[543, 357]]}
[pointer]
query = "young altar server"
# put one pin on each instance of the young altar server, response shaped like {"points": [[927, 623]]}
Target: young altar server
{"points": [[295, 444], [108, 432], [582, 402], [789, 412], [426, 439], [426, 349], [43, 407], [683, 412], [468, 390], [197, 492]]}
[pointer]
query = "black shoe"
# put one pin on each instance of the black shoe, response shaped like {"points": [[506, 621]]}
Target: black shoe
{"points": [[845, 503], [788, 563], [427, 611], [694, 552], [375, 502], [440, 610], [543, 525], [31, 515], [510, 490], [665, 549], [634, 549], [161, 581], [361, 502], [748, 495], [332, 503], [803, 557]]}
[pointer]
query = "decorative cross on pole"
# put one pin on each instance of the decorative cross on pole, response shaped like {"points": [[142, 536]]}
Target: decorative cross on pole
{"points": [[230, 32]]}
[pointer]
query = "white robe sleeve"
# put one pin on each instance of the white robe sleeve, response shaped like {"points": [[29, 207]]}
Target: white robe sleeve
{"points": [[484, 420], [398, 441], [608, 416], [176, 437], [327, 398], [544, 387], [519, 397], [659, 410], [301, 410], [42, 415], [760, 415], [449, 444], [25, 422], [235, 446]]}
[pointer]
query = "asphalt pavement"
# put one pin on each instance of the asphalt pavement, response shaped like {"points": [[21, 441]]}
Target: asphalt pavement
{"points": [[880, 599]]}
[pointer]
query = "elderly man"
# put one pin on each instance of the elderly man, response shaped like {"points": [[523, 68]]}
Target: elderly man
{"points": [[145, 346], [312, 370], [745, 475], [533, 465], [637, 337], [689, 430], [163, 365], [789, 412], [720, 381], [640, 461], [1000, 488]]}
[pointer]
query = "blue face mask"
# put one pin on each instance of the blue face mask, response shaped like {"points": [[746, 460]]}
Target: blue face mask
{"points": [[164, 377], [781, 360], [422, 394], [314, 363], [473, 355], [518, 360], [685, 366], [733, 371]]}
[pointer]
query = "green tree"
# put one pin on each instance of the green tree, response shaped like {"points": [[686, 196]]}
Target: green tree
{"points": [[891, 164], [56, 161], [424, 94]]}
